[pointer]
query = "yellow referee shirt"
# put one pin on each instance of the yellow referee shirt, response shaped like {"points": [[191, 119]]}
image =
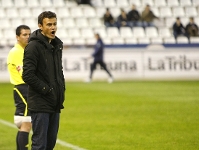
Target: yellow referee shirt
{"points": [[15, 64]]}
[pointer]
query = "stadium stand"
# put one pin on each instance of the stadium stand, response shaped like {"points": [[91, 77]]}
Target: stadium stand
{"points": [[77, 23]]}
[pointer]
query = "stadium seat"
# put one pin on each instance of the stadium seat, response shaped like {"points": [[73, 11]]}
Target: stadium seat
{"points": [[147, 2], [130, 41], [107, 41], [45, 3], [165, 12], [67, 41], [196, 20], [144, 40], [182, 40], [135, 2], [109, 3], [16, 22], [63, 12], [25, 12], [89, 12], [170, 40], [113, 32], [194, 40], [184, 21], [178, 11], [36, 11], [74, 33], [2, 13], [7, 3], [58, 3], [20, 3], [32, 23], [164, 32], [155, 11], [12, 13], [79, 41], [101, 31], [126, 32], [32, 3], [138, 32], [71, 4], [172, 3], [61, 33], [119, 41], [76, 12], [86, 33], [160, 3], [5, 23], [151, 32], [97, 3], [9, 33], [156, 40], [68, 22], [115, 11], [81, 22], [169, 21], [100, 11], [95, 22], [195, 2], [191, 11], [90, 41], [122, 3], [185, 2]]}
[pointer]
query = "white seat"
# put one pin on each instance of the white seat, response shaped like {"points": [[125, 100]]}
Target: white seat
{"points": [[12, 13], [164, 32], [87, 33], [185, 2], [95, 22], [138, 32], [67, 41], [63, 12], [9, 33], [107, 41], [109, 3], [182, 40], [156, 40], [90, 41], [159, 3], [25, 12], [184, 21], [169, 21], [32, 3], [79, 41], [178, 11], [7, 3], [147, 2], [131, 41], [191, 11], [74, 33], [170, 40], [61, 33], [76, 12], [122, 3], [126, 32], [196, 20], [20, 3], [31, 22], [89, 12], [81, 22], [156, 11], [5, 23], [2, 13], [36, 11], [101, 31], [113, 32], [151, 32], [165, 12], [52, 9], [144, 40], [135, 2], [115, 11], [172, 3], [58, 3], [195, 2], [194, 40], [45, 3], [68, 23], [71, 4], [100, 11], [119, 41], [16, 22], [97, 3]]}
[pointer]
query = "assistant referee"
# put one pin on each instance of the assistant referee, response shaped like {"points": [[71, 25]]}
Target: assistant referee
{"points": [[22, 117]]}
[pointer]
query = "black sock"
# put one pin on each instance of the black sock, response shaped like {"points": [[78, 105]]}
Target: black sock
{"points": [[17, 141], [23, 140]]}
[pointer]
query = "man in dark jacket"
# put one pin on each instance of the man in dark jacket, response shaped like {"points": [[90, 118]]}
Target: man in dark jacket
{"points": [[42, 71], [134, 17], [98, 59]]}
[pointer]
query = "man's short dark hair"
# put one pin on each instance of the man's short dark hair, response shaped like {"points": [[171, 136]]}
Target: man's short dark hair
{"points": [[19, 28], [46, 14]]}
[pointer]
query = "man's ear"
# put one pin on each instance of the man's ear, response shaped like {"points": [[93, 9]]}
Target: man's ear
{"points": [[40, 26]]}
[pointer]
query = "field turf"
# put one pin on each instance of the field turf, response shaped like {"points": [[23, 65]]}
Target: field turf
{"points": [[130, 115]]}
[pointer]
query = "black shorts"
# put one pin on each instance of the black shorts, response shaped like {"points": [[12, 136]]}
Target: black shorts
{"points": [[20, 97]]}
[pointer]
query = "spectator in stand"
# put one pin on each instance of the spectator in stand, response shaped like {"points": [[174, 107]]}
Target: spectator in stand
{"points": [[192, 28], [148, 16], [179, 29], [123, 19], [108, 19], [134, 17]]}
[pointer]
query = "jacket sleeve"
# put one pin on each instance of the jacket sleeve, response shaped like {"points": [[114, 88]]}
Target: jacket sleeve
{"points": [[98, 48], [30, 63]]}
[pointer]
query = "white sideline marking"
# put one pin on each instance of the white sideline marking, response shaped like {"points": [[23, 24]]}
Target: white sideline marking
{"points": [[62, 143]]}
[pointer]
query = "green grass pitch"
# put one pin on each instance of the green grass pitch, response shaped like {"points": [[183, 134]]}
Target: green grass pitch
{"points": [[133, 115]]}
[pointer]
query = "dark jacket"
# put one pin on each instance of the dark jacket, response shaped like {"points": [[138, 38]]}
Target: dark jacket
{"points": [[133, 15], [99, 51], [178, 29], [42, 71]]}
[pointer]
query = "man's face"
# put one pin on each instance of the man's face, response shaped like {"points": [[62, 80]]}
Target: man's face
{"points": [[22, 39], [49, 27]]}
